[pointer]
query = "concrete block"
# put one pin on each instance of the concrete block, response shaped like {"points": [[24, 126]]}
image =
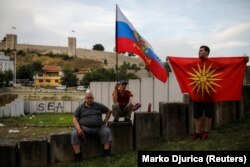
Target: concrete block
{"points": [[225, 113], [27, 107], [19, 104], [50, 106], [146, 129], [34, 107], [247, 76], [1, 112], [190, 115], [74, 105], [59, 107], [60, 147], [246, 99], [174, 120], [8, 154], [92, 147], [122, 134], [67, 106], [13, 109], [33, 152], [6, 112]]}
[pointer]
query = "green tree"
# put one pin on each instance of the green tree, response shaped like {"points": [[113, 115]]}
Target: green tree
{"points": [[100, 74], [37, 66], [123, 72], [20, 53], [25, 72], [135, 67], [98, 47], [8, 76], [1, 79], [69, 79], [29, 70], [131, 55]]}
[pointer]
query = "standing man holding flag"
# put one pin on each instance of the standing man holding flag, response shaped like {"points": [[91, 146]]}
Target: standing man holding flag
{"points": [[208, 80]]}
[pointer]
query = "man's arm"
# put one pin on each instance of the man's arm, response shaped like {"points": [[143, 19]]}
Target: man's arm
{"points": [[115, 94], [132, 101], [77, 126], [106, 119]]}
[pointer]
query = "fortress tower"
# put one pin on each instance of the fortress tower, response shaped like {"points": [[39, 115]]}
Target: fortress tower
{"points": [[11, 41], [71, 46]]}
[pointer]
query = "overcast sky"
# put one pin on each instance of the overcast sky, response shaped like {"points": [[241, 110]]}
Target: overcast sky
{"points": [[172, 27]]}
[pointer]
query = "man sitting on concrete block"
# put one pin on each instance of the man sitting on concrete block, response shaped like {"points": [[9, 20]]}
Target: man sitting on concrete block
{"points": [[88, 119], [123, 102]]}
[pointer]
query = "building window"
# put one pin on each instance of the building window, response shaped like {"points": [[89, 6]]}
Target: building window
{"points": [[40, 81], [48, 80], [56, 81]]}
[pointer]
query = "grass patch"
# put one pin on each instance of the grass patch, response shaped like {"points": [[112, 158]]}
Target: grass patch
{"points": [[46, 119]]}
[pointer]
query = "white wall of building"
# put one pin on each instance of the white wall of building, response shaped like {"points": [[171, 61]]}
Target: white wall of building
{"points": [[5, 63]]}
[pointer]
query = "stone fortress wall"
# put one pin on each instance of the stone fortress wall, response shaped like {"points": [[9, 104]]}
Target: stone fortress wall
{"points": [[71, 50]]}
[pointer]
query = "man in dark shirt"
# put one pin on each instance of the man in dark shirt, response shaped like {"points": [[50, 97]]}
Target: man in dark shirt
{"points": [[88, 118]]}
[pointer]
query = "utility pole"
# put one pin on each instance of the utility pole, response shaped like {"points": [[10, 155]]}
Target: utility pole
{"points": [[15, 70]]}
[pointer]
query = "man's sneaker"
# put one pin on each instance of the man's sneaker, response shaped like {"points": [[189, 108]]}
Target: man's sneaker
{"points": [[196, 136], [77, 157], [116, 120], [204, 135], [127, 120], [136, 106], [107, 153]]}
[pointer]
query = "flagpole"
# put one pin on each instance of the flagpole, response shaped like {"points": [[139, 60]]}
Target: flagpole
{"points": [[116, 46]]}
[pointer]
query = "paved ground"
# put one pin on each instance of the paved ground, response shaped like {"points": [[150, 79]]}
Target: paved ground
{"points": [[14, 134]]}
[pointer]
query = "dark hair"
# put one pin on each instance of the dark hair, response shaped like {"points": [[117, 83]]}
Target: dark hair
{"points": [[206, 48]]}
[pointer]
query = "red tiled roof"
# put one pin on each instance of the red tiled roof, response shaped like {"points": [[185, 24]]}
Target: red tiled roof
{"points": [[52, 68]]}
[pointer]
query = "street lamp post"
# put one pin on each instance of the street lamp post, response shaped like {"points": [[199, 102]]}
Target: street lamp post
{"points": [[15, 70]]}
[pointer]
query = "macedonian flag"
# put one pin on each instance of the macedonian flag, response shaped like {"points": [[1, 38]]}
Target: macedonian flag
{"points": [[212, 79]]}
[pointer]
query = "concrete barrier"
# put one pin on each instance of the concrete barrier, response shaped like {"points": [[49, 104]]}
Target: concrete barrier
{"points": [[174, 120], [60, 147], [146, 129], [33, 152], [92, 147], [246, 99], [122, 134], [67, 107], [8, 154], [1, 112], [7, 111], [225, 113]]}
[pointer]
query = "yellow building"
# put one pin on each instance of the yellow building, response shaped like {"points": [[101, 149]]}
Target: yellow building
{"points": [[51, 76]]}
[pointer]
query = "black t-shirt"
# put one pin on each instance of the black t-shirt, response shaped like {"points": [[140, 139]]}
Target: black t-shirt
{"points": [[91, 116]]}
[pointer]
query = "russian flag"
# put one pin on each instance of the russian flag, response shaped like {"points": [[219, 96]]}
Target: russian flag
{"points": [[129, 40]]}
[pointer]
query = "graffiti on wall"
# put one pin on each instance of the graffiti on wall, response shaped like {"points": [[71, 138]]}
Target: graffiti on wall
{"points": [[50, 106]]}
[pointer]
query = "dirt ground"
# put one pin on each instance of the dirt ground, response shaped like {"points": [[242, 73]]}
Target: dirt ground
{"points": [[14, 134]]}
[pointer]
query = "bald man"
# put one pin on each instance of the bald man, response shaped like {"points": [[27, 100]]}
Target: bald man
{"points": [[88, 119]]}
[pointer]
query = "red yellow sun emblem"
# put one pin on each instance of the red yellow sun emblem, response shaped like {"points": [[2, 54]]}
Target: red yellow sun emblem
{"points": [[204, 80]]}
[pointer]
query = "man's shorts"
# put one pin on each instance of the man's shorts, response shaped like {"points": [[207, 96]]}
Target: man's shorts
{"points": [[200, 107], [104, 133]]}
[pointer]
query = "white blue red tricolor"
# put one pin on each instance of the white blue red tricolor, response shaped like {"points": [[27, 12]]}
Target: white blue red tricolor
{"points": [[129, 40]]}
